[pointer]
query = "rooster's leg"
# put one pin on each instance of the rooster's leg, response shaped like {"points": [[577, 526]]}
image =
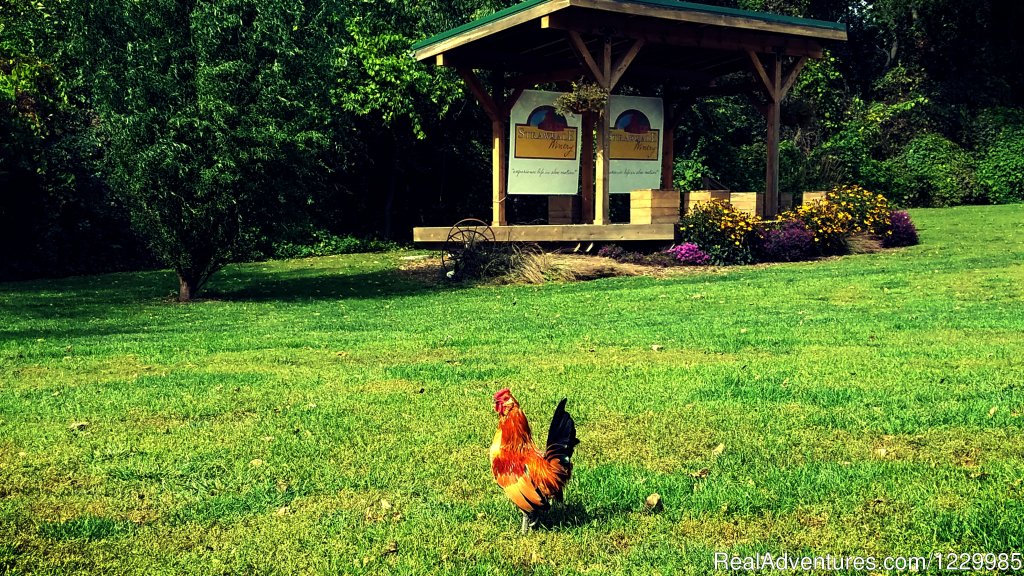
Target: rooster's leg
{"points": [[526, 523]]}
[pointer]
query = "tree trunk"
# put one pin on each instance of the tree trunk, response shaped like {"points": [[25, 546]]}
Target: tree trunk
{"points": [[186, 287]]}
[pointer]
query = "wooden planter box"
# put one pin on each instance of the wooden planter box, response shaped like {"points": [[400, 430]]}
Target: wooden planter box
{"points": [[749, 202], [562, 209], [653, 206], [812, 196], [696, 196]]}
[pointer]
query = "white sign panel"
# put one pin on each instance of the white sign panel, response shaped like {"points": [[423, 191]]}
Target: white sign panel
{"points": [[635, 147], [544, 147]]}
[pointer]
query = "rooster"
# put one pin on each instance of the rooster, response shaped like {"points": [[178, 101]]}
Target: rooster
{"points": [[531, 478]]}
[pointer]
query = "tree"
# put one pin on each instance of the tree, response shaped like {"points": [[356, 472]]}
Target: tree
{"points": [[214, 115]]}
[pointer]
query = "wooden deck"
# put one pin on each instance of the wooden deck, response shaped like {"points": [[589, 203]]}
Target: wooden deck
{"points": [[561, 233]]}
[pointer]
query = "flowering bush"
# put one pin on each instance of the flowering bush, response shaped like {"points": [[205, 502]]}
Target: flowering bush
{"points": [[689, 254], [827, 221], [790, 241], [901, 231], [723, 232], [613, 251], [869, 212]]}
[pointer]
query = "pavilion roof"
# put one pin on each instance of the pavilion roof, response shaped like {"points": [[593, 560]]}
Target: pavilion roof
{"points": [[683, 41]]}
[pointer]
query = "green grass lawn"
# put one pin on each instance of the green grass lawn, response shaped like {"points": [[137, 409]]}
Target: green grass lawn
{"points": [[332, 415]]}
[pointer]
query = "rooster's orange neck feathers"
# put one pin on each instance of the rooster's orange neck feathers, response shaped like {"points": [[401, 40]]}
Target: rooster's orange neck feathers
{"points": [[515, 430]]}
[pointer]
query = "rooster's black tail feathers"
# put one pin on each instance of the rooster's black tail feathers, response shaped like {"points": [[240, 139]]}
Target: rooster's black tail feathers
{"points": [[562, 439]]}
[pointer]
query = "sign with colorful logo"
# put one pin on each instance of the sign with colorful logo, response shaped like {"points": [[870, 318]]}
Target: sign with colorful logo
{"points": [[544, 147], [635, 143]]}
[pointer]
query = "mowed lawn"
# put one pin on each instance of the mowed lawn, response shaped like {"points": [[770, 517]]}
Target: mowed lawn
{"points": [[332, 415]]}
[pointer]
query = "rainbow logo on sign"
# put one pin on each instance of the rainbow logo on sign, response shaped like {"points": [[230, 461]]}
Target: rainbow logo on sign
{"points": [[546, 136], [632, 137]]}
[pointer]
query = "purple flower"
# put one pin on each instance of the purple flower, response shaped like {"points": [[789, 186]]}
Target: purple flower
{"points": [[689, 254], [790, 242], [901, 231]]}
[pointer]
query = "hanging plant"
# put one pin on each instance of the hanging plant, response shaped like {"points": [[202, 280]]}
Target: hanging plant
{"points": [[584, 97]]}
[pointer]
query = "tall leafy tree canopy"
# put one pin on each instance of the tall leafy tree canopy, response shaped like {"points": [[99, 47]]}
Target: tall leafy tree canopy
{"points": [[219, 129]]}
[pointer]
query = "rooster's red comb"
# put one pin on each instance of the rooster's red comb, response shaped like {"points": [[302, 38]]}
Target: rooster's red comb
{"points": [[502, 394]]}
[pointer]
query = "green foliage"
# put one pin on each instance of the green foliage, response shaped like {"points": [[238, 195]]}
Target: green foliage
{"points": [[1001, 168], [931, 171], [377, 77], [323, 243], [726, 234], [688, 174], [999, 137], [211, 120]]}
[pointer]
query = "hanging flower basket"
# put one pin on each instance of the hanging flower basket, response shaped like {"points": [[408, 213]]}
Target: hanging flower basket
{"points": [[584, 97]]}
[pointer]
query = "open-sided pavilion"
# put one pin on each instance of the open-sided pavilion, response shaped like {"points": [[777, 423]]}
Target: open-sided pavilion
{"points": [[679, 51]]}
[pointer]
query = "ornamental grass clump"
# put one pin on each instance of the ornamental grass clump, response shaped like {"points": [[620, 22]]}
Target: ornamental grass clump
{"points": [[901, 231], [726, 234], [689, 254], [788, 241]]}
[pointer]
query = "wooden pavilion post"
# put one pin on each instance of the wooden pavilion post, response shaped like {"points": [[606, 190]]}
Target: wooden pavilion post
{"points": [[587, 168], [602, 184], [606, 75], [674, 112], [776, 89]]}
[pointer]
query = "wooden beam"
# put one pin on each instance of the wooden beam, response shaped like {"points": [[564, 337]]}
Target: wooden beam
{"points": [[580, 46], [791, 76], [624, 62], [587, 126], [603, 184], [511, 101], [481, 95], [759, 71], [499, 171], [668, 143], [564, 233], [672, 34], [771, 196]]}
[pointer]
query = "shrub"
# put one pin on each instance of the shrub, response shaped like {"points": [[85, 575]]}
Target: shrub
{"points": [[689, 254], [901, 232], [869, 212], [723, 232], [323, 243], [932, 171], [791, 241], [613, 251], [827, 222], [1001, 168]]}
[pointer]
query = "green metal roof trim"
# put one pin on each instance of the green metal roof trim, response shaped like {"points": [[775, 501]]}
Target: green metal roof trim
{"points": [[672, 4], [477, 23]]}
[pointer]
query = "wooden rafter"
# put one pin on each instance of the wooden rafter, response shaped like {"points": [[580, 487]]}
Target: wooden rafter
{"points": [[668, 34], [791, 76], [761, 73], [477, 89], [623, 63], [583, 52]]}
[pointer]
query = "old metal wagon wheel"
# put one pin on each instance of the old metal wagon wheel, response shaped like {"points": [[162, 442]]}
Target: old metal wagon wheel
{"points": [[465, 240]]}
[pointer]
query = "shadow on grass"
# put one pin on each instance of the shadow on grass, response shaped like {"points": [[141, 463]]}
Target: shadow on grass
{"points": [[574, 514], [244, 286]]}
